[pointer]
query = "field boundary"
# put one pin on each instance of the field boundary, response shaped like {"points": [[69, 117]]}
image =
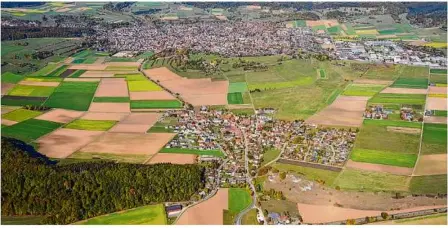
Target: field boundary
{"points": [[310, 165]]}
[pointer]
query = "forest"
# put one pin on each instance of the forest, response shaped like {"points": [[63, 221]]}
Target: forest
{"points": [[17, 33], [32, 184]]}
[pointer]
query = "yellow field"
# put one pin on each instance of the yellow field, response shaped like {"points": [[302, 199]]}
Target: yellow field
{"points": [[436, 45], [438, 95], [367, 32]]}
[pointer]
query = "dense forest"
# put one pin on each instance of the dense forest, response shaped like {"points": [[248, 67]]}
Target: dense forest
{"points": [[34, 185]]}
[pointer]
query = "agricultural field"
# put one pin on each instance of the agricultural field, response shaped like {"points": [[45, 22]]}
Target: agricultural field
{"points": [[250, 218], [20, 115], [139, 86], [146, 215], [9, 77], [91, 125], [351, 179], [155, 104], [325, 176], [239, 199], [438, 78], [396, 101], [216, 153], [414, 83], [434, 138], [30, 129], [235, 98], [73, 95], [433, 184], [112, 99], [384, 157], [437, 219], [362, 90], [31, 91]]}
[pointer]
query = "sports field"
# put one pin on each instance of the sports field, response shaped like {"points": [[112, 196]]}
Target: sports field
{"points": [[216, 153], [434, 138], [155, 104], [20, 115], [384, 157], [415, 83], [239, 199], [91, 125], [146, 215], [362, 90], [30, 129]]}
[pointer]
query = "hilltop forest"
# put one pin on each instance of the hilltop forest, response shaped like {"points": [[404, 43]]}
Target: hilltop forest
{"points": [[34, 185]]}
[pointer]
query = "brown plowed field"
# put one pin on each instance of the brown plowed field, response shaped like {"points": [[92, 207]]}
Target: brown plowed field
{"points": [[328, 23], [8, 122], [124, 64], [151, 95], [109, 107], [431, 164], [436, 103], [437, 90], [130, 128], [209, 99], [6, 109], [88, 66], [99, 60], [379, 168], [49, 84], [112, 87], [136, 123], [6, 87], [63, 142], [104, 116], [82, 79], [60, 115], [372, 81], [129, 143], [97, 74], [344, 111], [173, 158], [404, 91], [209, 212]]}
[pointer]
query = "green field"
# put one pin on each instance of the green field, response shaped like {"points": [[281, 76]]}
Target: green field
{"points": [[216, 153], [391, 123], [335, 30], [123, 68], [9, 77], [235, 98], [326, 176], [440, 113], [280, 85], [414, 72], [384, 157], [20, 102], [136, 86], [250, 218], [438, 71], [30, 129], [32, 91], [155, 104], [20, 115], [73, 95], [146, 215], [428, 184], [112, 99], [362, 90], [239, 199], [46, 70], [41, 79], [77, 73], [438, 78], [270, 155], [237, 87], [91, 125], [351, 179], [414, 83], [77, 87], [434, 138], [82, 54], [299, 23], [132, 77], [322, 74], [398, 99], [58, 71]]}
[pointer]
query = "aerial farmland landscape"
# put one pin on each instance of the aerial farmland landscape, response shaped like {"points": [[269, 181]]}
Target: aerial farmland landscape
{"points": [[223, 113]]}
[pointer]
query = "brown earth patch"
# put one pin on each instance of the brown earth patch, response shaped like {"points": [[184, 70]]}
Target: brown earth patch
{"points": [[151, 95], [6, 87], [123, 64], [68, 60], [372, 81], [344, 111], [173, 158], [104, 116], [49, 84], [129, 143], [161, 74], [109, 107], [63, 142], [60, 115], [379, 168], [136, 123], [435, 119], [82, 79], [431, 164], [403, 91], [327, 23], [209, 99], [97, 74], [209, 212], [323, 214], [99, 60], [130, 128], [437, 90], [405, 130], [6, 109], [112, 87], [436, 103], [8, 122], [88, 66]]}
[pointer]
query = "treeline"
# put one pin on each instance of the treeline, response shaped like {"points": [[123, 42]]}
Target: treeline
{"points": [[34, 185], [16, 33]]}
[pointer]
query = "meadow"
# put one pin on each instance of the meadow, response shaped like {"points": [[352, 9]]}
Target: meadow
{"points": [[325, 176], [398, 99], [239, 199], [362, 90], [384, 157], [250, 218], [433, 184], [414, 83], [351, 179], [30, 129], [434, 138], [216, 153], [155, 104], [270, 155], [91, 125]]}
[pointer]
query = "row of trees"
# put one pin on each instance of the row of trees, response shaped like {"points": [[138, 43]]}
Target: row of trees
{"points": [[17, 33], [34, 185]]}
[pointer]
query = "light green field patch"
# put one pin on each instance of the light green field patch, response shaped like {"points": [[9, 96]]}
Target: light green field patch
{"points": [[235, 98], [91, 125], [384, 157], [155, 104], [58, 71], [351, 179], [399, 99], [392, 123], [9, 77], [46, 70], [20, 115], [322, 74], [367, 90], [41, 79], [33, 91], [280, 85], [239, 199], [138, 86], [237, 87], [413, 83], [270, 155], [434, 138], [146, 215]]}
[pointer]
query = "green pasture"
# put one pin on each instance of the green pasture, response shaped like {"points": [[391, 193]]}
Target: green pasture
{"points": [[237, 87], [235, 98], [46, 70], [58, 71], [433, 184], [78, 61], [155, 104], [270, 155], [112, 99], [438, 71], [20, 115], [250, 218], [360, 180], [414, 72], [216, 153], [138, 86], [399, 99], [434, 138], [32, 91], [335, 30], [77, 87], [239, 199], [21, 102], [7, 49], [9, 77], [281, 85], [382, 72], [71, 101], [321, 175], [30, 129], [438, 78], [384, 157], [146, 215], [362, 90], [392, 123], [413, 83], [91, 125]]}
